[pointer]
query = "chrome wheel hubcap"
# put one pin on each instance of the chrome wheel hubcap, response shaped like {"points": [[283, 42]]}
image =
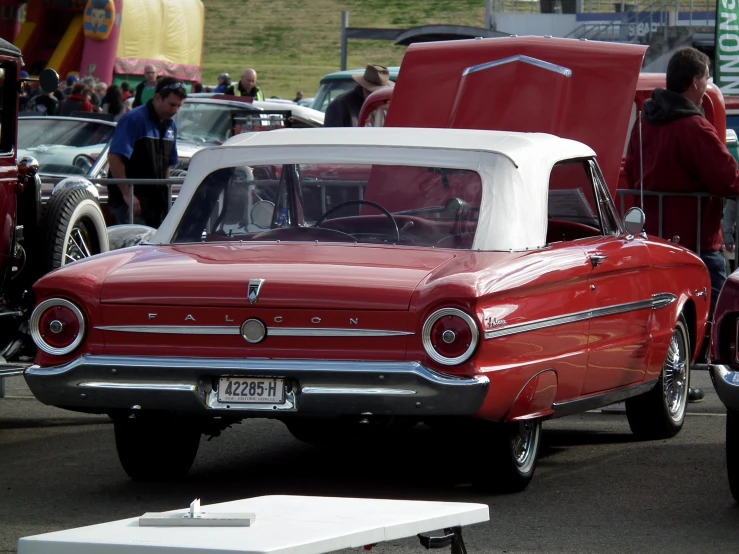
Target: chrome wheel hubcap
{"points": [[675, 377], [524, 444]]}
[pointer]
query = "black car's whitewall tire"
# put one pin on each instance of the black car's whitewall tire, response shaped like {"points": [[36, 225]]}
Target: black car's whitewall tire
{"points": [[74, 228], [660, 413], [156, 449], [732, 452]]}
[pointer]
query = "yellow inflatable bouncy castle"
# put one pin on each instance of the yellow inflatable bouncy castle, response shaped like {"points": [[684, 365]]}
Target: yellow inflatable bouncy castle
{"points": [[110, 39]]}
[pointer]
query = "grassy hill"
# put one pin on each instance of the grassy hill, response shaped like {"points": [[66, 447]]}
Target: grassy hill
{"points": [[292, 43]]}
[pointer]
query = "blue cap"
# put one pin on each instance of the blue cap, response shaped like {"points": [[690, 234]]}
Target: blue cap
{"points": [[72, 79], [24, 74]]}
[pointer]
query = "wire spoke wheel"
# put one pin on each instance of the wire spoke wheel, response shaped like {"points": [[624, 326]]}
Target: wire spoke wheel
{"points": [[675, 377], [78, 245], [74, 228], [660, 413]]}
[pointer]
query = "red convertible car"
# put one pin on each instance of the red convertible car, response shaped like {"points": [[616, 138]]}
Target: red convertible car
{"points": [[481, 280]]}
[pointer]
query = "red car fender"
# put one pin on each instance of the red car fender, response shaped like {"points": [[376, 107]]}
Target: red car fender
{"points": [[536, 397]]}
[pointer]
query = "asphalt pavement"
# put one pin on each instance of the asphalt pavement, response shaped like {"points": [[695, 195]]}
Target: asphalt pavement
{"points": [[597, 489]]}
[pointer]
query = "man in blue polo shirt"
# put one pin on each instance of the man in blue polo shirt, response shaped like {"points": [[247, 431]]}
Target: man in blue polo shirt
{"points": [[144, 146]]}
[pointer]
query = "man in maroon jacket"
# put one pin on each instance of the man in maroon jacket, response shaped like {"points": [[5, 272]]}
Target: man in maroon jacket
{"points": [[681, 152]]}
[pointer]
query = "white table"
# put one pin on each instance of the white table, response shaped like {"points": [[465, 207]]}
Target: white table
{"points": [[283, 525]]}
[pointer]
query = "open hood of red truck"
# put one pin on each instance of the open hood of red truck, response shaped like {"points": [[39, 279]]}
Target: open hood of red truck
{"points": [[575, 89]]}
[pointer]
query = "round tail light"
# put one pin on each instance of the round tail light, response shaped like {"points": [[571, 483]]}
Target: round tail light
{"points": [[57, 326], [450, 336]]}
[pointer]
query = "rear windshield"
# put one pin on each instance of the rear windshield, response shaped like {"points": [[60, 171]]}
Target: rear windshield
{"points": [[379, 204]]}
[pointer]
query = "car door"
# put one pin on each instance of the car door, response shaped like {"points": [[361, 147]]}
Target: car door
{"points": [[620, 286], [581, 211]]}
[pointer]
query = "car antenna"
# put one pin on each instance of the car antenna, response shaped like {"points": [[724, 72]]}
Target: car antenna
{"points": [[641, 165]]}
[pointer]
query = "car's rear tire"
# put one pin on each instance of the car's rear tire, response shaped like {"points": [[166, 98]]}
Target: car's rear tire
{"points": [[511, 451], [74, 228], [660, 413], [732, 452], [156, 449]]}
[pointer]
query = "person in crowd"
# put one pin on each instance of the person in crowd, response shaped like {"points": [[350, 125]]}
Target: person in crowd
{"points": [[344, 110], [43, 103], [59, 92], [728, 224], [298, 96], [112, 102], [98, 93], [224, 81], [144, 146], [145, 90], [681, 152], [77, 101], [126, 91], [247, 86], [25, 94], [71, 80], [197, 87]]}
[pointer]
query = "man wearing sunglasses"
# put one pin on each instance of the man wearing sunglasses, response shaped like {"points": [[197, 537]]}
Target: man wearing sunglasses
{"points": [[144, 146]]}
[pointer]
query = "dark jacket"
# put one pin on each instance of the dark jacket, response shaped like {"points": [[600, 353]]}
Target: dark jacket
{"points": [[682, 153], [137, 94], [148, 147], [75, 103], [344, 110]]}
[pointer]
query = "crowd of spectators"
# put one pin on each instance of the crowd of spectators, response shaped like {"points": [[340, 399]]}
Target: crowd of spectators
{"points": [[75, 96]]}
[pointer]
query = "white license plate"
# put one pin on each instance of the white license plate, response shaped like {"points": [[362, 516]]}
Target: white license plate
{"points": [[251, 390]]}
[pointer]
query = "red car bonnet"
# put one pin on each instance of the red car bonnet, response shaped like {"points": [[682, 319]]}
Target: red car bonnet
{"points": [[502, 84]]}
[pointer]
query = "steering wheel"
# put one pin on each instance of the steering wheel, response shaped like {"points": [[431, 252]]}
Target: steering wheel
{"points": [[84, 162], [369, 203]]}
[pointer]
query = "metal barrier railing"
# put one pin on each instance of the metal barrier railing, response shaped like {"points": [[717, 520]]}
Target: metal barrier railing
{"points": [[660, 195]]}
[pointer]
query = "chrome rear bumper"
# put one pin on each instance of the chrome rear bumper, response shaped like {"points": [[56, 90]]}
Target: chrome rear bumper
{"points": [[726, 382], [315, 387]]}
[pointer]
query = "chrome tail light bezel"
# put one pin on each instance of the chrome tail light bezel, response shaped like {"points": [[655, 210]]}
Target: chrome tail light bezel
{"points": [[428, 345], [38, 338]]}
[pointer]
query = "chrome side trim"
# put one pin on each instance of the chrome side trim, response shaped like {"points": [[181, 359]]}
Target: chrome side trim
{"points": [[658, 301], [662, 300], [564, 71], [173, 329], [140, 386], [601, 399], [271, 331], [342, 390], [332, 332]]}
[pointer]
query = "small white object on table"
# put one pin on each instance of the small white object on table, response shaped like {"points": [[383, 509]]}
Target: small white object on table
{"points": [[281, 525]]}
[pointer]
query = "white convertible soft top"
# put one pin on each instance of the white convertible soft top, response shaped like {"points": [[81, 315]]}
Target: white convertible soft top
{"points": [[514, 168]]}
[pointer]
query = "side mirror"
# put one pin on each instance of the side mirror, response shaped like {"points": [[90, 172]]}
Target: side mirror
{"points": [[48, 80], [634, 221]]}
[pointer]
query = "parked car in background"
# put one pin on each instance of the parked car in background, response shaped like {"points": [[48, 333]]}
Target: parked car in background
{"points": [[78, 146], [64, 146], [725, 371], [339, 82]]}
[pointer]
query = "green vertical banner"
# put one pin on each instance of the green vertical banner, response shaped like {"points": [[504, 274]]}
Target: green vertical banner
{"points": [[726, 61]]}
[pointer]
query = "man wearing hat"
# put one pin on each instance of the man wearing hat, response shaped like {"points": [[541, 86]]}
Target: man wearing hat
{"points": [[344, 110], [224, 81]]}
